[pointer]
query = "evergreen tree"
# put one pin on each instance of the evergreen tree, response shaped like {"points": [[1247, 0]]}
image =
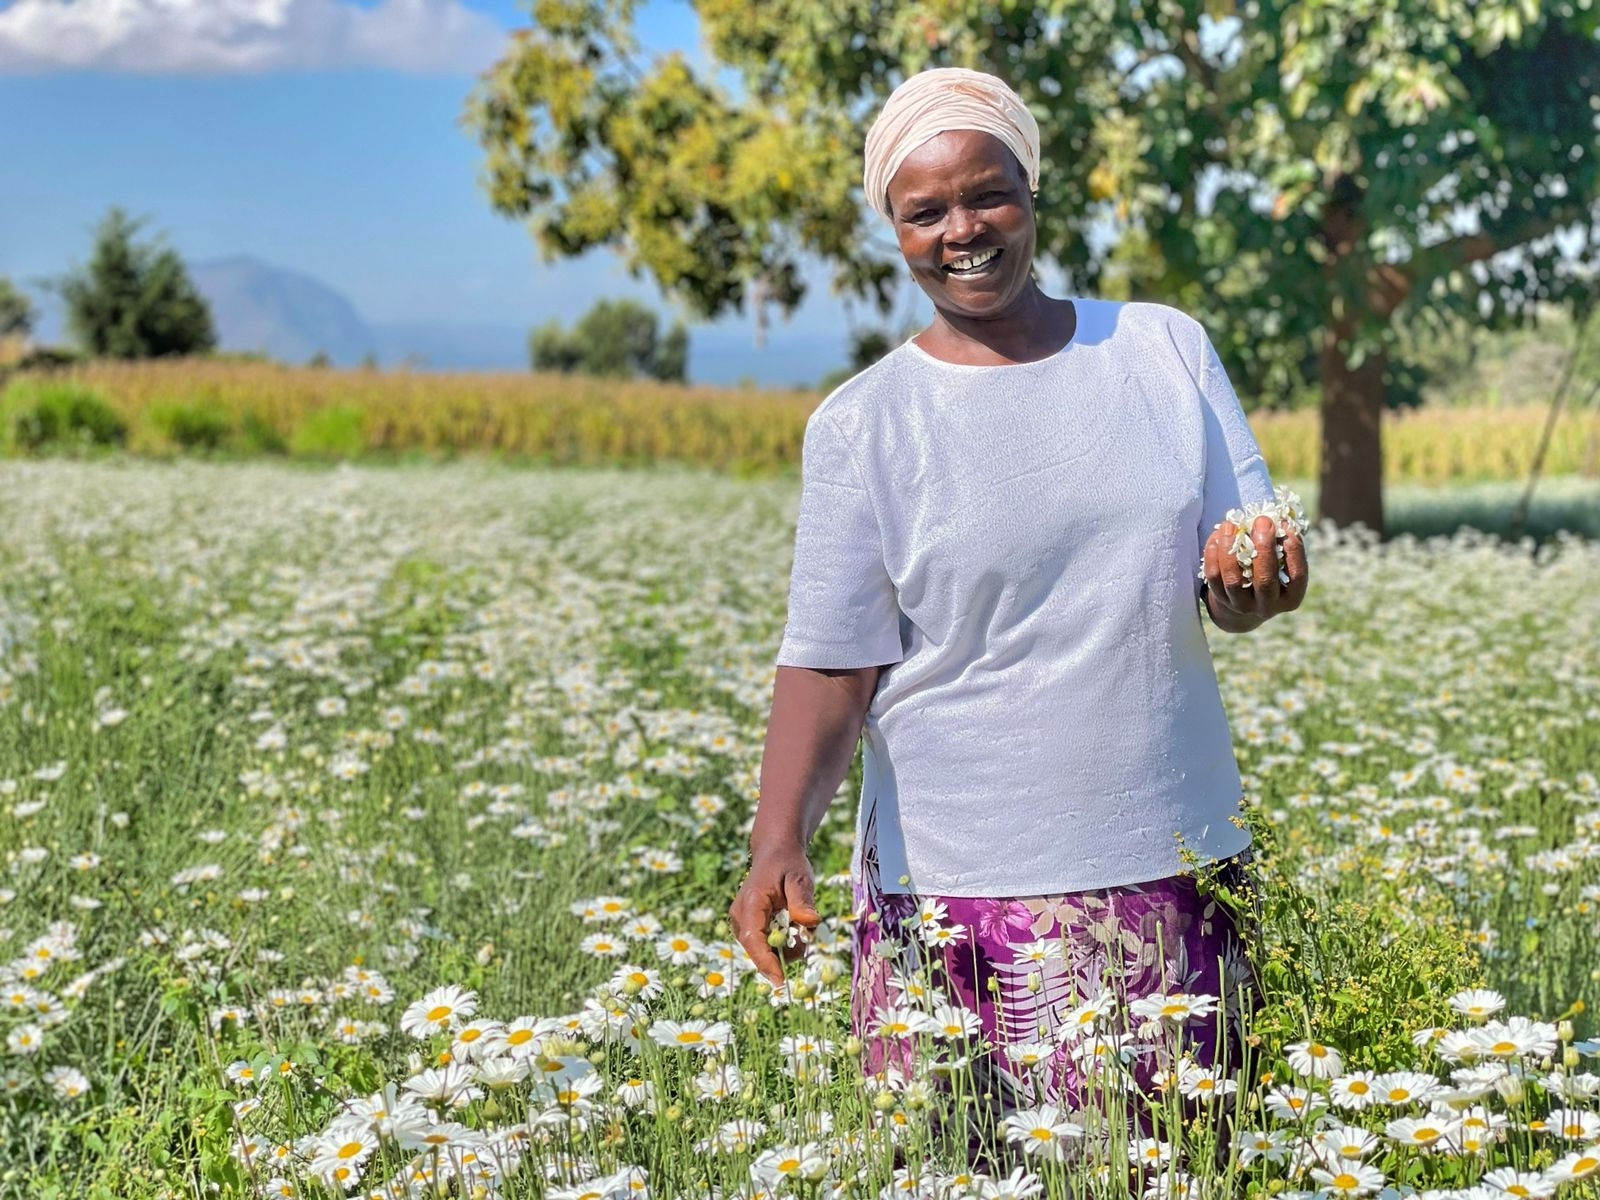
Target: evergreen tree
{"points": [[134, 299]]}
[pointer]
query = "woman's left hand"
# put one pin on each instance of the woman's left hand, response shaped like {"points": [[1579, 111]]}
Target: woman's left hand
{"points": [[1236, 608]]}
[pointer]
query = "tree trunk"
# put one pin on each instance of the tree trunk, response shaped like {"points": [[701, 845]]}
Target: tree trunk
{"points": [[1352, 446]]}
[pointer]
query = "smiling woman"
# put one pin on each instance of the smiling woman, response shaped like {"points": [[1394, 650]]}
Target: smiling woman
{"points": [[963, 215], [995, 583]]}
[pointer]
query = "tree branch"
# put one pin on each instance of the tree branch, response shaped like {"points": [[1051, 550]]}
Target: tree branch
{"points": [[1441, 258]]}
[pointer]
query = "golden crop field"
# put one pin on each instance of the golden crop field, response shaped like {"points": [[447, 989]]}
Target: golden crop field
{"points": [[560, 419]]}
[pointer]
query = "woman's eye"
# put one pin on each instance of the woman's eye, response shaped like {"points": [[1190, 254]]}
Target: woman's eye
{"points": [[923, 216], [920, 213]]}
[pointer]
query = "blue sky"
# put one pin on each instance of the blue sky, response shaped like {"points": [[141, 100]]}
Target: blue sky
{"points": [[328, 144]]}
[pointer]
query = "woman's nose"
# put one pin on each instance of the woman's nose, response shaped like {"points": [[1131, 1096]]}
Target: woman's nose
{"points": [[963, 224]]}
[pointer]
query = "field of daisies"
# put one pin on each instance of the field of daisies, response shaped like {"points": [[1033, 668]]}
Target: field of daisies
{"points": [[371, 831]]}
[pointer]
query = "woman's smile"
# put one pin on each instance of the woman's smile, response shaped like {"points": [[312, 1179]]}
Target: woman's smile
{"points": [[983, 262]]}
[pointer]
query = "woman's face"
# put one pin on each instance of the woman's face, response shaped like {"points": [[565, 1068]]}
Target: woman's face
{"points": [[960, 195]]}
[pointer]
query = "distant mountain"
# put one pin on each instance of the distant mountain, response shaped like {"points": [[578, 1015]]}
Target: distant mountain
{"points": [[288, 315]]}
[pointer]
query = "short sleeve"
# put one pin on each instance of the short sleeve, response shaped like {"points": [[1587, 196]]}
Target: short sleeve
{"points": [[843, 611], [1235, 472]]}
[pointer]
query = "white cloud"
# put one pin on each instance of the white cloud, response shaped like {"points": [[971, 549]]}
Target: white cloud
{"points": [[234, 36]]}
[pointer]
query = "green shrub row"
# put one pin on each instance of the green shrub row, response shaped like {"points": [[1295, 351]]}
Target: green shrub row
{"points": [[42, 416]]}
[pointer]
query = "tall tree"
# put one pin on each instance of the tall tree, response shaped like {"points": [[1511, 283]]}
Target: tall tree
{"points": [[134, 299], [672, 355], [16, 310], [617, 338], [1370, 164]]}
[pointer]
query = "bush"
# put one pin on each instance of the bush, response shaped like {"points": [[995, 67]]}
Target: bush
{"points": [[39, 413], [336, 431], [191, 425], [1365, 971], [259, 436], [50, 358]]}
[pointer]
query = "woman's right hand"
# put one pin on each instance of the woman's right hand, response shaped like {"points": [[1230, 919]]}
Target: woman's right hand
{"points": [[779, 879]]}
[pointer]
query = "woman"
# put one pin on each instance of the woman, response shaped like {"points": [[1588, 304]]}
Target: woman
{"points": [[995, 582]]}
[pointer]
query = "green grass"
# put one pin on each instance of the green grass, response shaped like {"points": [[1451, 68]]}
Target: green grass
{"points": [[273, 735]]}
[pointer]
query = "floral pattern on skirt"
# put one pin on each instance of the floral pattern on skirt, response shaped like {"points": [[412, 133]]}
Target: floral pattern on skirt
{"points": [[1039, 992]]}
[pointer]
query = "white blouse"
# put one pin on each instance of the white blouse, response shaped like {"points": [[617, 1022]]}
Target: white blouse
{"points": [[1021, 542]]}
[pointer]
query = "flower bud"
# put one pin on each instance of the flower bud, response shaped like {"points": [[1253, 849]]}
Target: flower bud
{"points": [[1570, 1058], [884, 1101], [777, 938], [1565, 1031], [1510, 1088]]}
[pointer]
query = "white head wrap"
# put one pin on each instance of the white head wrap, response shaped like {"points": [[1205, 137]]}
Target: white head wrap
{"points": [[933, 101]]}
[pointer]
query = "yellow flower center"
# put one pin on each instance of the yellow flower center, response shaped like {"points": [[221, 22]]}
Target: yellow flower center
{"points": [[690, 1035], [1345, 1180], [438, 1012]]}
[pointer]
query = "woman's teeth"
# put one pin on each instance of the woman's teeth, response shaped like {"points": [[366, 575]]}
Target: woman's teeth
{"points": [[963, 266]]}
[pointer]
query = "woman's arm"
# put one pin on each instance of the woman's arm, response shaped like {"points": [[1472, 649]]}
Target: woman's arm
{"points": [[816, 720], [1235, 608]]}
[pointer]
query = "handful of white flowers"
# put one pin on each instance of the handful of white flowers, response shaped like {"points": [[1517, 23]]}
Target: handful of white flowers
{"points": [[1287, 513]]}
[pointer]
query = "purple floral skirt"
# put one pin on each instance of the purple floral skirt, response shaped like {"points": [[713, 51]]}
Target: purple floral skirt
{"points": [[1143, 990]]}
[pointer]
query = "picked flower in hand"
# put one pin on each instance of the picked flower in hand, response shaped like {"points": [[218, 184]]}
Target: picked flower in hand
{"points": [[1287, 513], [784, 931]]}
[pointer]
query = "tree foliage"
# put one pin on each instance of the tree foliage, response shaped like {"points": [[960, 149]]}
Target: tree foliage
{"points": [[618, 338], [1308, 177], [134, 299], [16, 310]]}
